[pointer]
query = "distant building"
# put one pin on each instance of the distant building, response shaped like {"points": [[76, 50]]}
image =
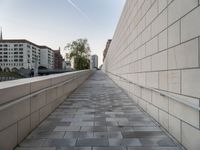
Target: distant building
{"points": [[58, 60], [94, 61], [72, 63], [1, 36], [106, 49], [47, 57], [67, 65], [23, 54]]}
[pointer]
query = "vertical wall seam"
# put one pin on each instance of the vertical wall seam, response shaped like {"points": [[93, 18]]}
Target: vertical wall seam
{"points": [[199, 114], [199, 51], [167, 45], [181, 131], [180, 81], [17, 132], [159, 116], [180, 30]]}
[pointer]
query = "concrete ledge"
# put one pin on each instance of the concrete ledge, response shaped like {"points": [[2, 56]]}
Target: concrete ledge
{"points": [[25, 103], [179, 119]]}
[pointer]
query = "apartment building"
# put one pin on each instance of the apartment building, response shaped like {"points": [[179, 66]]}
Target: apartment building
{"points": [[47, 55], [23, 54]]}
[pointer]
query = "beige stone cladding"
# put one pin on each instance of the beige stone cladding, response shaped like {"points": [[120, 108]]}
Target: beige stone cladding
{"points": [[156, 46], [27, 102]]}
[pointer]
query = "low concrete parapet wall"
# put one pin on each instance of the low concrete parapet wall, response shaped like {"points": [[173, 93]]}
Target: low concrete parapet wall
{"points": [[177, 114], [25, 103]]}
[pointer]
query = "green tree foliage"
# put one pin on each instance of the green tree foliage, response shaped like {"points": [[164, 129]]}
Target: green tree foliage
{"points": [[79, 50]]}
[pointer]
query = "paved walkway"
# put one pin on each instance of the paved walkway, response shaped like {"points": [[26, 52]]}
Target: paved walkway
{"points": [[98, 116]]}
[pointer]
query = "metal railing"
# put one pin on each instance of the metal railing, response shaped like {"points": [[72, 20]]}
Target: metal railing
{"points": [[162, 93]]}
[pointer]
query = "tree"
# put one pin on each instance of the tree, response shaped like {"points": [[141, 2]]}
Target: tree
{"points": [[79, 50]]}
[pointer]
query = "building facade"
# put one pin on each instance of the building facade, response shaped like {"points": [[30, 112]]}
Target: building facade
{"points": [[154, 57], [67, 65], [47, 57], [23, 54], [58, 60], [106, 49], [94, 61]]}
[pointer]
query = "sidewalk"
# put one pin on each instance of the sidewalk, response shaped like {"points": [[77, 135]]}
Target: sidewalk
{"points": [[98, 116]]}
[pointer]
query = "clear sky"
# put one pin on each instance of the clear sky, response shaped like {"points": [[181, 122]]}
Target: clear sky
{"points": [[57, 22]]}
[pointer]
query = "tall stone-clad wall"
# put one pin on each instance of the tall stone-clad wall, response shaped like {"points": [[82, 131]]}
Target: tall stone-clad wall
{"points": [[25, 103], [157, 45]]}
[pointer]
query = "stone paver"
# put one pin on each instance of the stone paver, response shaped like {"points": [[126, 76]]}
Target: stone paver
{"points": [[98, 116]]}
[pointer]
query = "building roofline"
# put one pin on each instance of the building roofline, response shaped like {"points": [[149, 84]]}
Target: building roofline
{"points": [[24, 41], [45, 47]]}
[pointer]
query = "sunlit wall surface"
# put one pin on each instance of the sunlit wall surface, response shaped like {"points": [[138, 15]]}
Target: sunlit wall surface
{"points": [[156, 47]]}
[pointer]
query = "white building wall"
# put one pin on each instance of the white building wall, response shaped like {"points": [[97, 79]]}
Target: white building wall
{"points": [[72, 63], [47, 58], [51, 59], [15, 54], [156, 45], [12, 55], [44, 56], [32, 54]]}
